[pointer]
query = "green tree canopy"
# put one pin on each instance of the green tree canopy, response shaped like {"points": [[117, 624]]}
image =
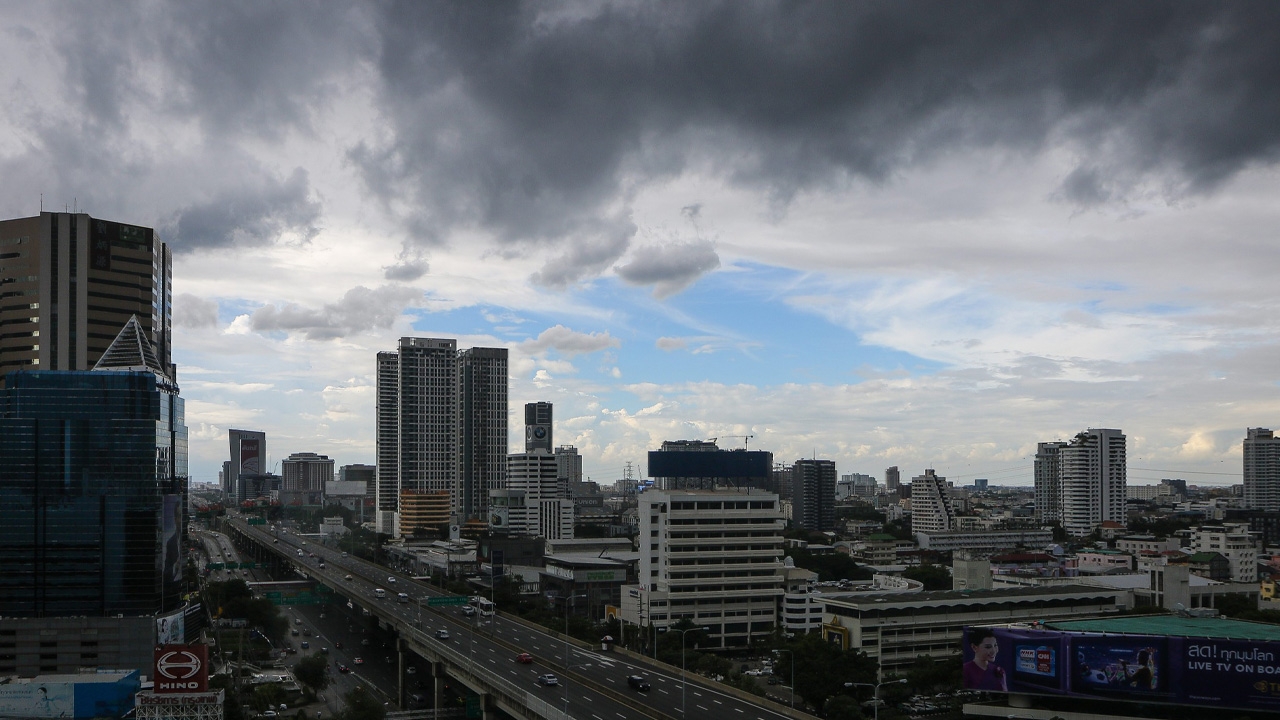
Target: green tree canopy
{"points": [[312, 671], [362, 706], [934, 577]]}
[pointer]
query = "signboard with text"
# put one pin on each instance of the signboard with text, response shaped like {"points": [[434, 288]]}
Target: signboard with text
{"points": [[181, 669], [1213, 672]]}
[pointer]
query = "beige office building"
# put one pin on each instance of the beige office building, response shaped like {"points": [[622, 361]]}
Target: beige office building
{"points": [[68, 284]]}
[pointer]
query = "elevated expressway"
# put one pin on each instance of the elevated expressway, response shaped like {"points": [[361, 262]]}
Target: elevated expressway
{"points": [[480, 653]]}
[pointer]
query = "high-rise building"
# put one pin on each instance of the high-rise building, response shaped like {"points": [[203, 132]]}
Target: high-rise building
{"points": [[1048, 481], [713, 555], [246, 474], [1094, 480], [537, 426], [367, 474], [303, 479], [689, 464], [569, 467], [892, 478], [441, 432], [813, 495], [71, 282], [536, 500], [1261, 469], [93, 483], [931, 509], [482, 392]]}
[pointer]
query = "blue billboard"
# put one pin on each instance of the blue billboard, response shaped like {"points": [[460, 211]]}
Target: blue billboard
{"points": [[1239, 674]]}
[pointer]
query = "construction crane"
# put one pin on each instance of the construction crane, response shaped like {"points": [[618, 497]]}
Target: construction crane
{"points": [[745, 439]]}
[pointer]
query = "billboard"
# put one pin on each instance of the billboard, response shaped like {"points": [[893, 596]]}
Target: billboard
{"points": [[721, 464], [1214, 672], [249, 457], [181, 669], [170, 629], [37, 699]]}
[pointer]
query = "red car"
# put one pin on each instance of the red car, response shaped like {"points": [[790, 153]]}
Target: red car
{"points": [[359, 661], [343, 668], [524, 658]]}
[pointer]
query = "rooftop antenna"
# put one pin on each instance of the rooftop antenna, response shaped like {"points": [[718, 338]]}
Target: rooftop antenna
{"points": [[42, 202]]}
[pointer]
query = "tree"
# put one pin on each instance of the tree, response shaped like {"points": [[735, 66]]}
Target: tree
{"points": [[929, 675], [267, 696], [822, 668], [841, 707], [934, 577], [835, 566], [362, 706], [313, 671]]}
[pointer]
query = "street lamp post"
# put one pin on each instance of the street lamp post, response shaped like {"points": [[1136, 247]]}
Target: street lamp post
{"points": [[684, 674], [875, 695], [569, 599], [793, 673]]}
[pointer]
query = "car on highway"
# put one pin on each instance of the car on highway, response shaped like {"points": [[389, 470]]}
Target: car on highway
{"points": [[411, 670], [343, 668], [294, 632], [306, 645], [348, 578], [442, 634], [468, 610], [524, 658], [548, 680], [391, 580], [635, 682], [338, 645]]}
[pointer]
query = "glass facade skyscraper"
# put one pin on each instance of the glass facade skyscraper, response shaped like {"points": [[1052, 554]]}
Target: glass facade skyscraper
{"points": [[93, 482]]}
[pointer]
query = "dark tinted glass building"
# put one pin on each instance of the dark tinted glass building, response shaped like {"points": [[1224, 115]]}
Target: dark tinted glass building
{"points": [[93, 476]]}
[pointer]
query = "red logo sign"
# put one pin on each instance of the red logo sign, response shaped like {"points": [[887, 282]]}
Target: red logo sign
{"points": [[181, 669]]}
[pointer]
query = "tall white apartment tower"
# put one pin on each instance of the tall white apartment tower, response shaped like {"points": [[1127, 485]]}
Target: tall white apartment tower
{"points": [[931, 509], [1261, 469], [1048, 481], [1094, 480], [441, 432], [713, 557]]}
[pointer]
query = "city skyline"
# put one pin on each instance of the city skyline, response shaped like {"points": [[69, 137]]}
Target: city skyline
{"points": [[914, 236]]}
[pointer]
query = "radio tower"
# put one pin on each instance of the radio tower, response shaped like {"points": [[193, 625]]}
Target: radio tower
{"points": [[628, 483]]}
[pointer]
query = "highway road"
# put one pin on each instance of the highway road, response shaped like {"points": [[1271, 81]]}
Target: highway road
{"points": [[491, 644]]}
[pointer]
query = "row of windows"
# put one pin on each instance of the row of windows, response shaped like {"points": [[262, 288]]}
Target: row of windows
{"points": [[724, 505]]}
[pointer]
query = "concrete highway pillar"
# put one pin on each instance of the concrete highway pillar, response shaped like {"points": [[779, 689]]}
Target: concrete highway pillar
{"points": [[437, 685], [402, 692]]}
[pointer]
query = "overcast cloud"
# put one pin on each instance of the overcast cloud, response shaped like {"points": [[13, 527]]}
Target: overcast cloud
{"points": [[891, 232]]}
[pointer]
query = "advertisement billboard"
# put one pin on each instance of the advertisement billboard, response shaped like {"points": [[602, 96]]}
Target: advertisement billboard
{"points": [[249, 457], [37, 700], [1214, 672], [181, 669], [170, 629]]}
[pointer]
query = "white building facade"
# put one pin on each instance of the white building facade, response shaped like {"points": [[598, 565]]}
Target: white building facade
{"points": [[1094, 480], [713, 557], [1261, 469], [931, 509]]}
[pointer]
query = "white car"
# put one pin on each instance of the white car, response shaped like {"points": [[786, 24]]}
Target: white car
{"points": [[391, 580]]}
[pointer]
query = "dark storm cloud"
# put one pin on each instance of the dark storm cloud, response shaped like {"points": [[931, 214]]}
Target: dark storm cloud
{"points": [[246, 214], [670, 268], [531, 119], [360, 309]]}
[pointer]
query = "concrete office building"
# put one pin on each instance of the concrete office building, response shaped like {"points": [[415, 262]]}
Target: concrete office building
{"points": [[931, 509], [441, 432], [535, 501], [712, 557], [303, 479], [367, 474], [813, 495], [1094, 480], [569, 466], [892, 478], [1261, 470], [896, 629], [71, 282], [1048, 481]]}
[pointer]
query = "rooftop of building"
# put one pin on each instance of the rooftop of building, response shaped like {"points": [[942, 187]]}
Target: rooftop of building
{"points": [[1174, 626], [938, 596]]}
